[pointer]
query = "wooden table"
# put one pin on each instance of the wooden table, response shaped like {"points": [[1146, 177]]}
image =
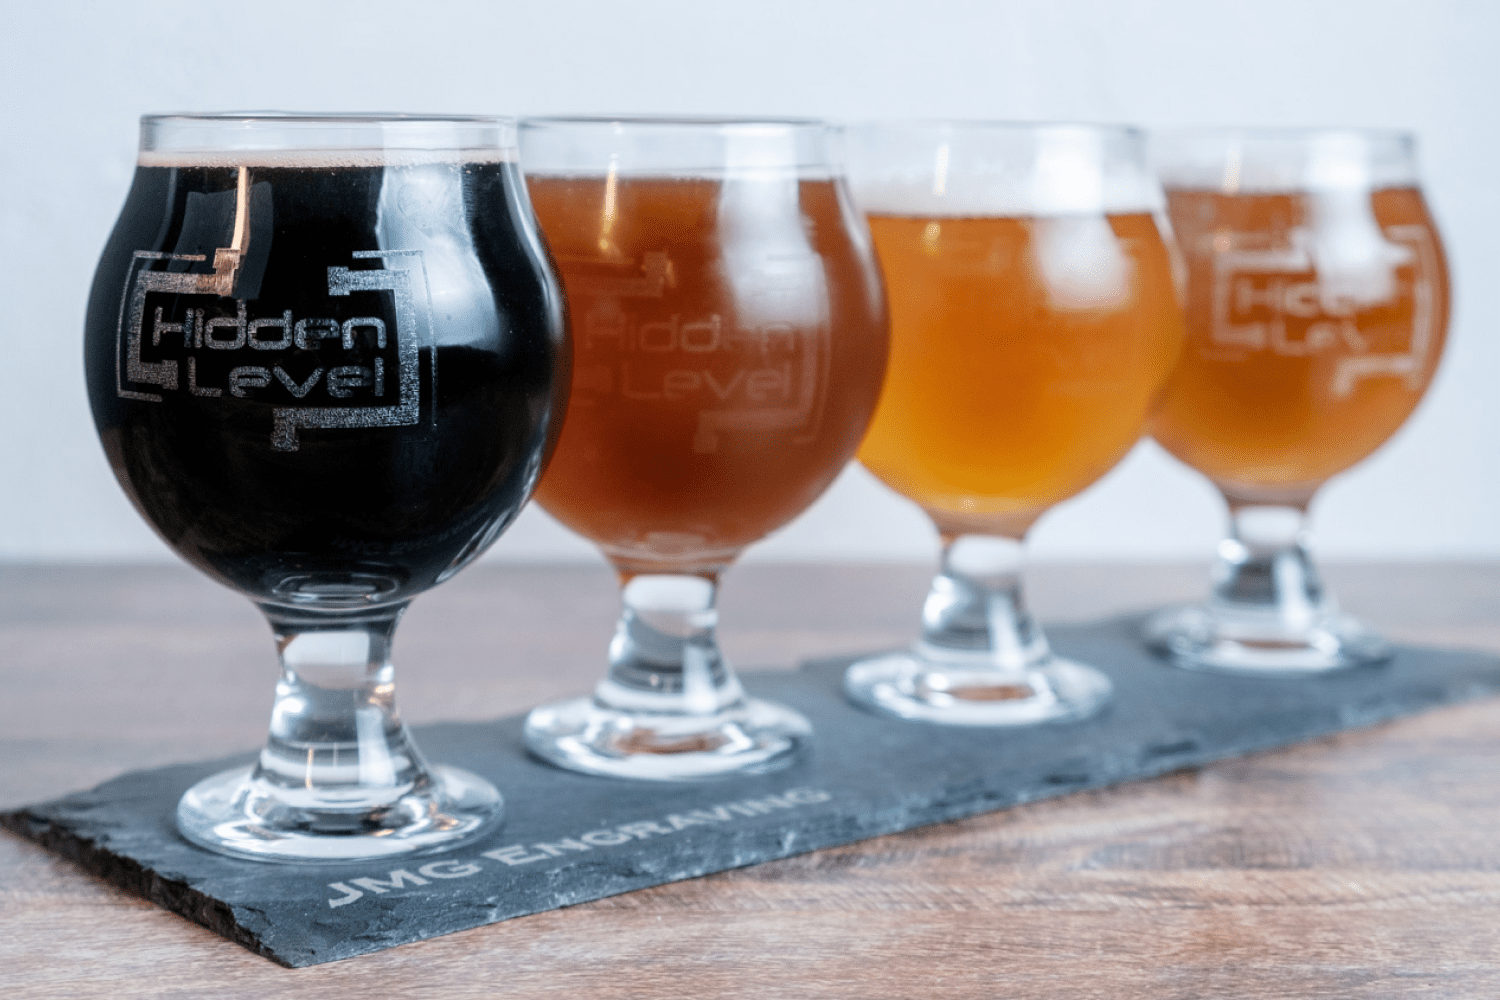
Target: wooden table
{"points": [[1366, 865]]}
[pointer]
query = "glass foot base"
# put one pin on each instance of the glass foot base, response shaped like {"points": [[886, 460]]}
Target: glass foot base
{"points": [[582, 735], [910, 687], [1194, 638], [233, 814]]}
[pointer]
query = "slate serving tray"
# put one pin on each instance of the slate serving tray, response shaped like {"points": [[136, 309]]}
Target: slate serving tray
{"points": [[569, 838]]}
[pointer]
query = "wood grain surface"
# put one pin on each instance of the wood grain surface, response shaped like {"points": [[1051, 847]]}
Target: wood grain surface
{"points": [[1365, 865]]}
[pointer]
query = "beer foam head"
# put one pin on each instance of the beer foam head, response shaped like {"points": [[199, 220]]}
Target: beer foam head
{"points": [[979, 169], [1271, 161], [272, 139]]}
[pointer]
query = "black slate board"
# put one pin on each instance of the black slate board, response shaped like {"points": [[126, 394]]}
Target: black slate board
{"points": [[867, 775]]}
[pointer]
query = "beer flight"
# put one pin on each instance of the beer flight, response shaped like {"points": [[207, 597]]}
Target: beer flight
{"points": [[331, 357]]}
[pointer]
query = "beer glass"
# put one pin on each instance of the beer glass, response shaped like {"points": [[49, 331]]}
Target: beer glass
{"points": [[1034, 320], [326, 357], [1317, 310], [731, 339]]}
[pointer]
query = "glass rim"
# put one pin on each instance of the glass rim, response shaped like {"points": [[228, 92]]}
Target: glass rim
{"points": [[1016, 125], [687, 123], [677, 146], [1246, 159], [1284, 132], [295, 119], [266, 138]]}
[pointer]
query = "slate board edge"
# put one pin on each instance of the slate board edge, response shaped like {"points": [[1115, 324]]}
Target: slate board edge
{"points": [[943, 803], [173, 895]]}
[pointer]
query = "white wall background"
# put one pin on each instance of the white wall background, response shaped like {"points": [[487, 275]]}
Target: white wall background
{"points": [[74, 76]]}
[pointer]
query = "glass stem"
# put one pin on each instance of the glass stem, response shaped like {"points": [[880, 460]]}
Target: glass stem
{"points": [[336, 739], [975, 608], [1265, 568], [665, 656]]}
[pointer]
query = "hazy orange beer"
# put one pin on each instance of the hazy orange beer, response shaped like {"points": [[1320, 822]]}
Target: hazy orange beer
{"points": [[1317, 308], [1026, 356], [1034, 322]]}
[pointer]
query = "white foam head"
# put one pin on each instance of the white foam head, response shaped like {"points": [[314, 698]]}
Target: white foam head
{"points": [[1010, 169]]}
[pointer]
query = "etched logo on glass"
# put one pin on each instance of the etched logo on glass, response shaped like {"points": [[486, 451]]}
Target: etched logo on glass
{"points": [[349, 360], [1370, 306], [761, 370]]}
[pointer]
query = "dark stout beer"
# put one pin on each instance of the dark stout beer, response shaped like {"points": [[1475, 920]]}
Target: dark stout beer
{"points": [[326, 377]]}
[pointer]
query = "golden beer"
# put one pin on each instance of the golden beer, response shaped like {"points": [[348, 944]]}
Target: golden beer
{"points": [[1034, 322], [1026, 357]]}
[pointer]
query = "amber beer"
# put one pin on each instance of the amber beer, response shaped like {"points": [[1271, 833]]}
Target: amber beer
{"points": [[729, 348], [1315, 323], [1026, 357]]}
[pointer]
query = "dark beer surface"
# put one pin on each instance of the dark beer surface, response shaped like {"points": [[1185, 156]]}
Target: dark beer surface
{"points": [[349, 391]]}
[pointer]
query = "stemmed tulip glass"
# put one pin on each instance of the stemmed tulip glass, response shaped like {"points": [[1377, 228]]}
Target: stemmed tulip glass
{"points": [[1034, 321], [324, 358], [731, 339], [1317, 311]]}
